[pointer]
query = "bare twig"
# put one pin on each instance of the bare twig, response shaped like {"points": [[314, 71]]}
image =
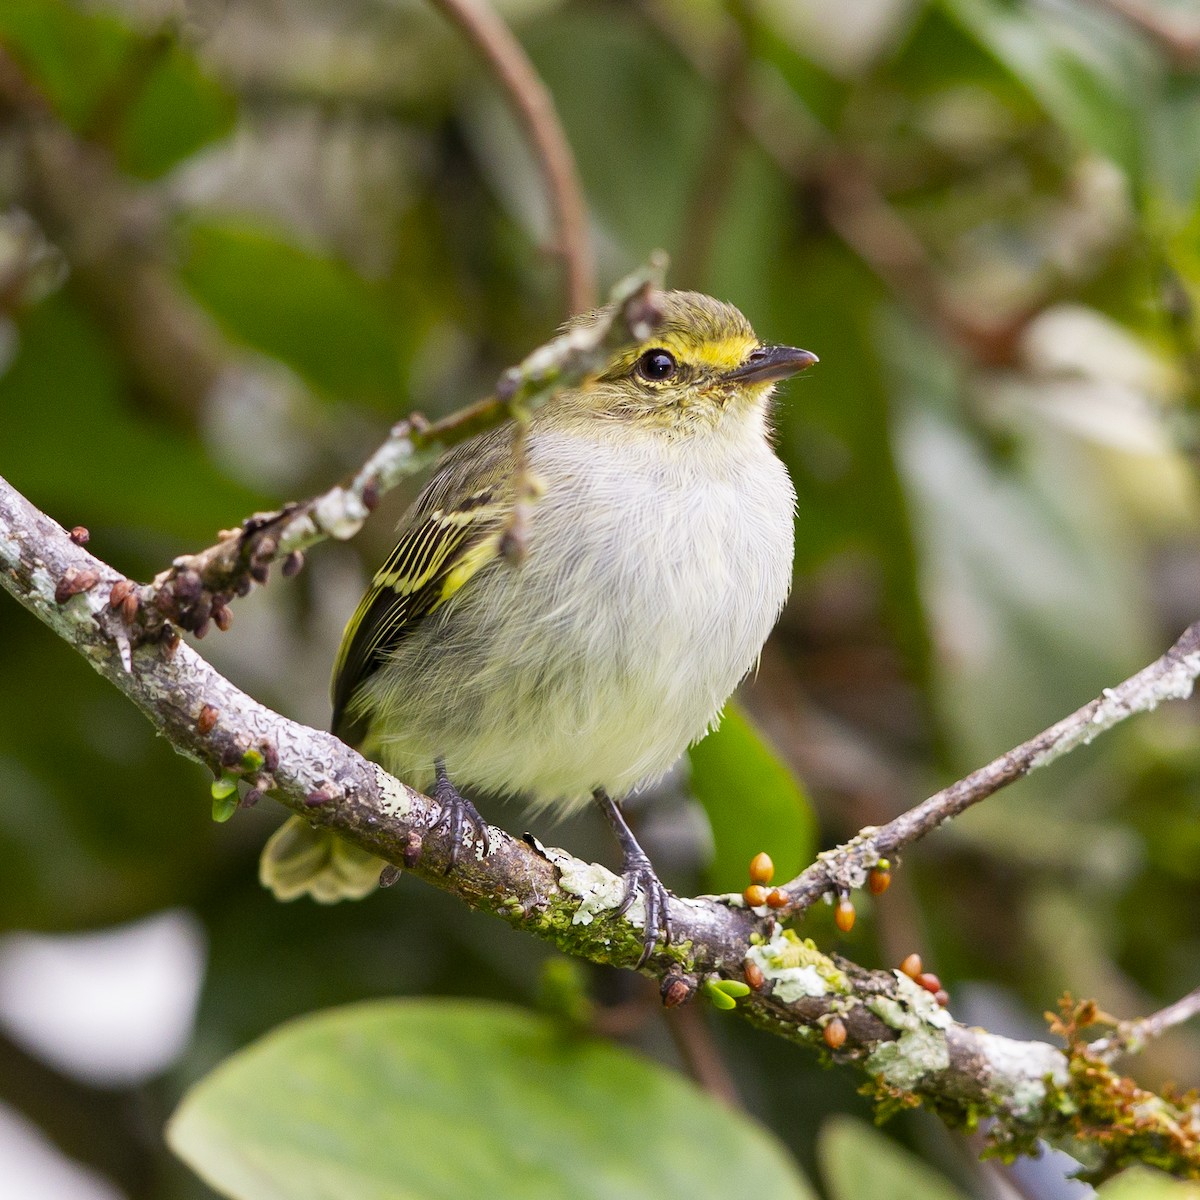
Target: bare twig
{"points": [[1131, 1036], [534, 108], [1171, 677], [197, 588]]}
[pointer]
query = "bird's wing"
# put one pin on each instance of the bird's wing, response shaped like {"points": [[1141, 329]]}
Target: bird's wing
{"points": [[451, 532]]}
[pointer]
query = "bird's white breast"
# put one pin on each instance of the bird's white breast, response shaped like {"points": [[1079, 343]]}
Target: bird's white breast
{"points": [[655, 571]]}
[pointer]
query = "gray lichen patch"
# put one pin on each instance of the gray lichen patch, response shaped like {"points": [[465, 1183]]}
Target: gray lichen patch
{"points": [[1017, 1072], [921, 1048], [393, 796], [598, 889]]}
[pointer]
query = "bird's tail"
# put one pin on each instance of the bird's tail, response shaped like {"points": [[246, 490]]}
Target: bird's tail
{"points": [[300, 859]]}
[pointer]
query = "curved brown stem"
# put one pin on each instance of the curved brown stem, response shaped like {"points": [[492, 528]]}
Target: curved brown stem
{"points": [[534, 107]]}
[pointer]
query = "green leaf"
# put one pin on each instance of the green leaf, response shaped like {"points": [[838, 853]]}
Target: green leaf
{"points": [[309, 310], [174, 112], [421, 1100], [144, 96], [1141, 1183], [753, 803], [1093, 95], [857, 1161]]}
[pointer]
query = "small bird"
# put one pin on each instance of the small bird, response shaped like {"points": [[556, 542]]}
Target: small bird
{"points": [[658, 558]]}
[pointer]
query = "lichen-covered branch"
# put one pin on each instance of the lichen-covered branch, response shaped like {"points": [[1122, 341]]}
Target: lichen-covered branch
{"points": [[895, 1032], [1171, 677], [198, 588]]}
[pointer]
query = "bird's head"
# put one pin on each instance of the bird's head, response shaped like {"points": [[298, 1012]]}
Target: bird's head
{"points": [[702, 367]]}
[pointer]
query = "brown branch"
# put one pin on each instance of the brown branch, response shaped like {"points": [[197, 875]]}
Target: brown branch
{"points": [[1131, 1036], [910, 1049], [689, 1030], [1170, 677], [198, 588], [1176, 34], [534, 108]]}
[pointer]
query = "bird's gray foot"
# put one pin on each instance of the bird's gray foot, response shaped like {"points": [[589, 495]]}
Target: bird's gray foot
{"points": [[458, 813], [639, 877]]}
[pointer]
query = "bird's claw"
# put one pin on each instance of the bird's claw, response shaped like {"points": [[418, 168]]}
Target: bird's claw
{"points": [[457, 814], [640, 878]]}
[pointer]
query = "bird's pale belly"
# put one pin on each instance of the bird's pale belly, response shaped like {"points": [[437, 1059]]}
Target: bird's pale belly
{"points": [[639, 635]]}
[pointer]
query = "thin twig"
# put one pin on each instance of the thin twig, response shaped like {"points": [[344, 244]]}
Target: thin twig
{"points": [[1171, 677], [1131, 1036], [197, 588], [534, 107]]}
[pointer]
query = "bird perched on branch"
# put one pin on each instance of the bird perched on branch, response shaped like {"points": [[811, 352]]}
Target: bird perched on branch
{"points": [[658, 557]]}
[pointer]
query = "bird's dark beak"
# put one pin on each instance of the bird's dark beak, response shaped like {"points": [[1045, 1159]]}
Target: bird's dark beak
{"points": [[769, 364]]}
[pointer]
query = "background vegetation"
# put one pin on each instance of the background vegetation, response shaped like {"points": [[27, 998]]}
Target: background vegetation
{"points": [[240, 239]]}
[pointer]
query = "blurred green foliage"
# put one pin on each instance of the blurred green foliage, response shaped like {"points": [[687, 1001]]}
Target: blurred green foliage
{"points": [[983, 215]]}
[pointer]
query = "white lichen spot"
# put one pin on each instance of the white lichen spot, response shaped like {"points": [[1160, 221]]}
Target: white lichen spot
{"points": [[796, 968], [42, 585], [393, 796], [10, 551], [1017, 1071], [340, 513], [598, 889]]}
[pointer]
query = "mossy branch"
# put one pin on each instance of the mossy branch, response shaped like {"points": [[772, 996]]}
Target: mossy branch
{"points": [[910, 1048]]}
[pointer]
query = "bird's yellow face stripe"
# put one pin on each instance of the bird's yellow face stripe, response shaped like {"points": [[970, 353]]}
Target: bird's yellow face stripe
{"points": [[717, 354]]}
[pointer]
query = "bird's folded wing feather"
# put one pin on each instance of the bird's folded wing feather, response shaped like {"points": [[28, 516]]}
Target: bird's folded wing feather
{"points": [[450, 533]]}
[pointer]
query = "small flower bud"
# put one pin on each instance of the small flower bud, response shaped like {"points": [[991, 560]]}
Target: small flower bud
{"points": [[762, 869], [879, 880], [388, 875], [753, 974], [755, 895], [676, 990], [207, 719], [292, 564], [74, 580], [834, 1033], [843, 914], [777, 898], [80, 535], [912, 966]]}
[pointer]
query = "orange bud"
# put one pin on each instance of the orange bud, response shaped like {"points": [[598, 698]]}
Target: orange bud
{"points": [[930, 982], [912, 966], [878, 881], [843, 915], [834, 1033], [753, 974], [762, 869], [776, 898], [755, 895]]}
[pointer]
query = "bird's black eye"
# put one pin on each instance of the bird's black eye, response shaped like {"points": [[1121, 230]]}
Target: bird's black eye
{"points": [[657, 365]]}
